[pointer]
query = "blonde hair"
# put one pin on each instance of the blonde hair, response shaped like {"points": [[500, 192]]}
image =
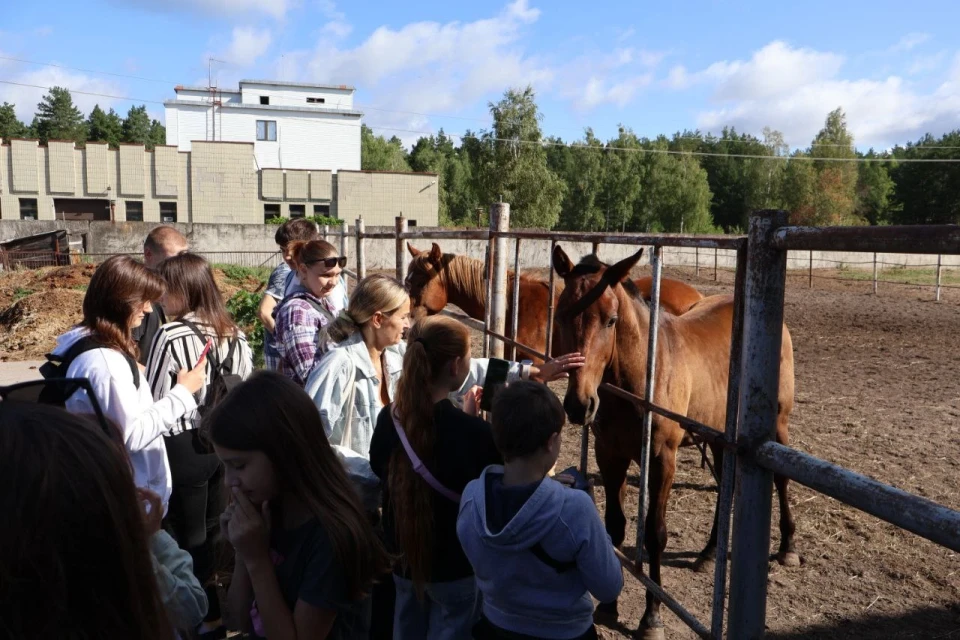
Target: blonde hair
{"points": [[433, 343], [376, 293]]}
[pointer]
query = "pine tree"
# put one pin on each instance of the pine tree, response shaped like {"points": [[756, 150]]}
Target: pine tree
{"points": [[10, 125], [136, 126], [104, 127], [58, 119]]}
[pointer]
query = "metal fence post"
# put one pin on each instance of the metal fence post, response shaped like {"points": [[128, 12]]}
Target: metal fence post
{"points": [[551, 306], [515, 300], [595, 248], [939, 272], [648, 395], [499, 222], [696, 253], [343, 237], [810, 282], [401, 228], [759, 386], [716, 262], [487, 289], [874, 273], [359, 228], [326, 233]]}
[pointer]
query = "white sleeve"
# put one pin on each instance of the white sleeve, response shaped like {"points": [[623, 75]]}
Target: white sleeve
{"points": [[478, 373], [327, 385]]}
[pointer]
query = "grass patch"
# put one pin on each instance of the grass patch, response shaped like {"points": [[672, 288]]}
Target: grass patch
{"points": [[22, 292], [921, 276], [238, 275]]}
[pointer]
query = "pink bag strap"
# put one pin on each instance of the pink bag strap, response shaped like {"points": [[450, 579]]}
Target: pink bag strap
{"points": [[418, 465]]}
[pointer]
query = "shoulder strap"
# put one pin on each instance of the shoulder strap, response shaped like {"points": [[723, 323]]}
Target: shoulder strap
{"points": [[313, 302], [550, 561], [89, 343], [348, 426], [212, 354], [418, 465]]}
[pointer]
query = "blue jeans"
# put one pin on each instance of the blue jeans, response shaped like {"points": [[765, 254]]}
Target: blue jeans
{"points": [[448, 611]]}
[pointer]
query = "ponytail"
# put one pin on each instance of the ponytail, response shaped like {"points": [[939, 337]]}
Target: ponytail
{"points": [[433, 343], [376, 293]]}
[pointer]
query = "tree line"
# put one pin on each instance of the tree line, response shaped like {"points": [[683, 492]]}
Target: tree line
{"points": [[633, 183], [57, 118]]}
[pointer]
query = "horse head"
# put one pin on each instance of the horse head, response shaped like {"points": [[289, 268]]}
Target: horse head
{"points": [[587, 314], [427, 291]]}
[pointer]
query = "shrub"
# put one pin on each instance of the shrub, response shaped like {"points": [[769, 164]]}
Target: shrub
{"points": [[243, 306], [320, 220]]}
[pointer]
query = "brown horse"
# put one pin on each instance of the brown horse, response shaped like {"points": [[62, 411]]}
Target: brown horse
{"points": [[601, 315], [435, 279]]}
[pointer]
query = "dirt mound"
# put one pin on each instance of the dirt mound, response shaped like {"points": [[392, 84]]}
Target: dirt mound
{"points": [[229, 286], [20, 283], [29, 328]]}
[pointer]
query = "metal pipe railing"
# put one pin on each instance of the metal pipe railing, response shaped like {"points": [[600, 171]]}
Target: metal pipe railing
{"points": [[932, 239]]}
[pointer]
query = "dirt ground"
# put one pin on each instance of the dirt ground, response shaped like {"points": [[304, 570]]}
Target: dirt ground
{"points": [[877, 392]]}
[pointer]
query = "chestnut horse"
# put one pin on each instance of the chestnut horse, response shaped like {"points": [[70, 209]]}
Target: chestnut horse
{"points": [[601, 314], [435, 278]]}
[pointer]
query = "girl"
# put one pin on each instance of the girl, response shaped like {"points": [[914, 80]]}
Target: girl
{"points": [[76, 561], [306, 556], [435, 590], [101, 349], [308, 307], [195, 303]]}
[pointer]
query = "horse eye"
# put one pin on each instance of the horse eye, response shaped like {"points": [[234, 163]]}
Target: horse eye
{"points": [[612, 321]]}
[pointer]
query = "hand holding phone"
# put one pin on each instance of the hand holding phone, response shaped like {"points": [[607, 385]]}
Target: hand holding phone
{"points": [[496, 377]]}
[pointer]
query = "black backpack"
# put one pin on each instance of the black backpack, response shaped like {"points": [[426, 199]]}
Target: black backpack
{"points": [[56, 367], [221, 379]]}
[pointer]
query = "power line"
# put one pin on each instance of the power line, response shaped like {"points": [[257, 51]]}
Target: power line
{"points": [[547, 143], [105, 73]]}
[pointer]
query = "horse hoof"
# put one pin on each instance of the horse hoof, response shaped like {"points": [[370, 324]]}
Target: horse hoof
{"points": [[704, 564], [650, 633], [789, 559]]}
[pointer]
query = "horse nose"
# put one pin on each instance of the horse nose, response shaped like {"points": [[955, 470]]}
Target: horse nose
{"points": [[576, 412], [592, 405]]}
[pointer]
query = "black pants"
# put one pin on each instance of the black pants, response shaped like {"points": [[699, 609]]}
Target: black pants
{"points": [[383, 596], [193, 516], [486, 630]]}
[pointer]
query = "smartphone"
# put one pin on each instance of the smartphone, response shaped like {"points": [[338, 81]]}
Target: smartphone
{"points": [[579, 481], [206, 350], [496, 377]]}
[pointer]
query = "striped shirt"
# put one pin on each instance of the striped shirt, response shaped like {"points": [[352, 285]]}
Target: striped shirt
{"points": [[178, 347]]}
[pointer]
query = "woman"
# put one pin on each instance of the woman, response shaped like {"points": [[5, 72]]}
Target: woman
{"points": [[306, 555], [76, 561], [196, 305], [435, 587], [308, 308], [101, 349]]}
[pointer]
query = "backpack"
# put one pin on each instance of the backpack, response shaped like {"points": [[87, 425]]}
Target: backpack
{"points": [[56, 367], [221, 380]]}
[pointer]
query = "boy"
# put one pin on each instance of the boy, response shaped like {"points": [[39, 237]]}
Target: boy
{"points": [[538, 548], [161, 243]]}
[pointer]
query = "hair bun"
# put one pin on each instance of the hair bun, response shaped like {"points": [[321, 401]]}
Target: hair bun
{"points": [[346, 317]]}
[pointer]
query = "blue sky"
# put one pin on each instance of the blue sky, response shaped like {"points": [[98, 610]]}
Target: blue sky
{"points": [[656, 67]]}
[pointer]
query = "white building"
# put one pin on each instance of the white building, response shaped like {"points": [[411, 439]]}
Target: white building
{"points": [[292, 126]]}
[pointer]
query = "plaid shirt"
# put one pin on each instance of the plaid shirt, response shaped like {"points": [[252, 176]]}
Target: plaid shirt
{"points": [[298, 324]]}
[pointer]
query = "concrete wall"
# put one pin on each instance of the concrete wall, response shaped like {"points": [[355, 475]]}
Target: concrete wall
{"points": [[381, 196]]}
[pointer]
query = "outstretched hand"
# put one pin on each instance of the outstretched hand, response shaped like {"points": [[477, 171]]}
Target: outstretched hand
{"points": [[557, 368]]}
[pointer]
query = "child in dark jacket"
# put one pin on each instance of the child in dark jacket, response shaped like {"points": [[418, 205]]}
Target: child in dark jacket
{"points": [[538, 548]]}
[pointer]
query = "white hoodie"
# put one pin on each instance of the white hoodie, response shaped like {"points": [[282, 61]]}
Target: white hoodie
{"points": [[141, 420]]}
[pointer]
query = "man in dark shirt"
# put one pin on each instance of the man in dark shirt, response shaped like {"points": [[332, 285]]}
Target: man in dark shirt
{"points": [[162, 242]]}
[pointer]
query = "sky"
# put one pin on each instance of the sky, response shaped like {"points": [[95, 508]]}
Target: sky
{"points": [[656, 67]]}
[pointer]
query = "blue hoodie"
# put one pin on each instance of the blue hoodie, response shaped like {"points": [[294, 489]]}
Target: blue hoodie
{"points": [[521, 593]]}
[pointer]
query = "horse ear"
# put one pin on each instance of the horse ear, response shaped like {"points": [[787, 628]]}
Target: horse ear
{"points": [[413, 250], [621, 270], [435, 253], [561, 263]]}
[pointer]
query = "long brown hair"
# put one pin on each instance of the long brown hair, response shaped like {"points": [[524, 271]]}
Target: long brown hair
{"points": [[432, 344], [192, 288], [76, 562], [270, 413], [118, 285]]}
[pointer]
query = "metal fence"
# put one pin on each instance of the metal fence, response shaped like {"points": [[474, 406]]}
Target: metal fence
{"points": [[749, 428]]}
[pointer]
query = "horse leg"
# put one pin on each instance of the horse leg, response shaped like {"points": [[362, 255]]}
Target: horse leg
{"points": [[787, 554], [662, 469], [705, 560], [613, 471]]}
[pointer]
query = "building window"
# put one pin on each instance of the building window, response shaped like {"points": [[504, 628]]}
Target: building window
{"points": [[168, 211], [298, 210], [267, 130], [28, 208], [411, 223], [316, 100], [321, 210], [264, 99], [134, 211], [271, 211]]}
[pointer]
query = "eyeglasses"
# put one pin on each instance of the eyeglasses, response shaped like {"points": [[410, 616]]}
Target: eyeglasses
{"points": [[45, 390], [330, 263]]}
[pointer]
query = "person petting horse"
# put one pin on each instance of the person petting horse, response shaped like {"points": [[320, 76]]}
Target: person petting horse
{"points": [[602, 315], [435, 279]]}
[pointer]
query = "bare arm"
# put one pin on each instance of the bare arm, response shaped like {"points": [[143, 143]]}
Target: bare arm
{"points": [[267, 305]]}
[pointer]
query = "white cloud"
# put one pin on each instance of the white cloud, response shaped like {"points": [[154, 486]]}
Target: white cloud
{"points": [[803, 86], [230, 8], [597, 91], [909, 42], [26, 98], [247, 44], [928, 63]]}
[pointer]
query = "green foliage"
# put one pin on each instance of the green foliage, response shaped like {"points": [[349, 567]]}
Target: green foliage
{"points": [[10, 126], [379, 154], [136, 126], [21, 292], [874, 189], [239, 275], [104, 127], [58, 119], [458, 201], [927, 193], [320, 220], [158, 135], [243, 306]]}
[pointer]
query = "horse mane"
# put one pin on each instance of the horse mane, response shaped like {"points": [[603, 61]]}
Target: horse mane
{"points": [[467, 272], [590, 264]]}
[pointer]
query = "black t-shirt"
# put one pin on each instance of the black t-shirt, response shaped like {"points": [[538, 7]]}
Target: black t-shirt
{"points": [[462, 449], [147, 331], [307, 569]]}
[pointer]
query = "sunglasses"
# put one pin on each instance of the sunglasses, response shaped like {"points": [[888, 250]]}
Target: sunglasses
{"points": [[330, 263], [43, 391]]}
